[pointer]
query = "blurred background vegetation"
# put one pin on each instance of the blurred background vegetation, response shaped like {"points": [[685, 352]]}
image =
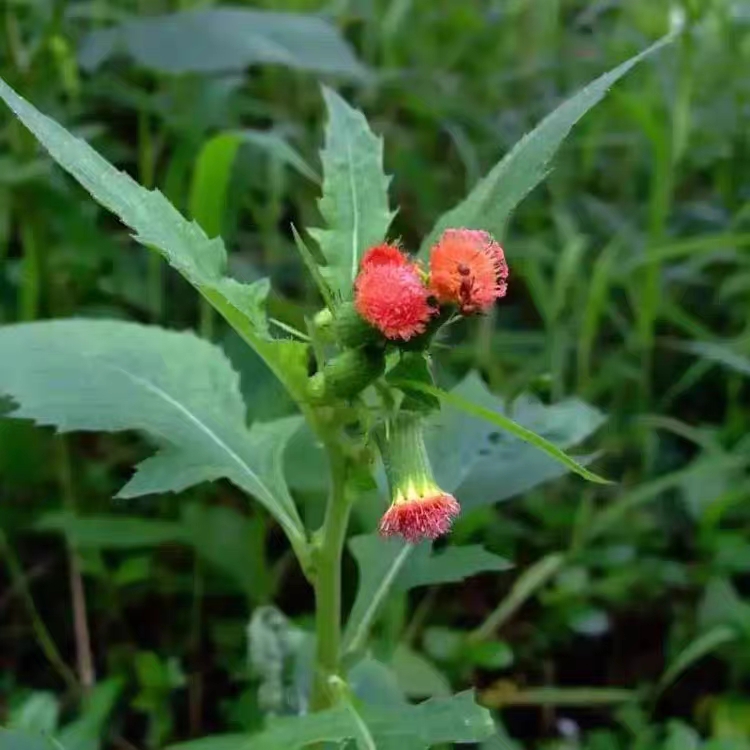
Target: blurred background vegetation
{"points": [[625, 622]]}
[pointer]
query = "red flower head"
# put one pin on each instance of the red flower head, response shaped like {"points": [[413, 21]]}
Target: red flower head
{"points": [[419, 508], [468, 269], [416, 516], [384, 255], [390, 295]]}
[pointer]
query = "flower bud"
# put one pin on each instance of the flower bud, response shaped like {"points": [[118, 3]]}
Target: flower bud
{"points": [[351, 329], [347, 375]]}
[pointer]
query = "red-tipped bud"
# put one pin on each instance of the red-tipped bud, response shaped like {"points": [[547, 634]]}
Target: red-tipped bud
{"points": [[468, 269], [419, 508], [393, 298]]}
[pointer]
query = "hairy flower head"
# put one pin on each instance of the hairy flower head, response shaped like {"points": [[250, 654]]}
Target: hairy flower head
{"points": [[419, 508], [420, 513], [392, 297], [384, 255], [468, 269]]}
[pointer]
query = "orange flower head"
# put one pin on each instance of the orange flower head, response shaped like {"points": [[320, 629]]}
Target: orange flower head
{"points": [[468, 269], [419, 509], [393, 299], [384, 255]]}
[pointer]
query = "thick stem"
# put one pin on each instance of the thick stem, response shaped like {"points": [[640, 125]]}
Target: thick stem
{"points": [[328, 586]]}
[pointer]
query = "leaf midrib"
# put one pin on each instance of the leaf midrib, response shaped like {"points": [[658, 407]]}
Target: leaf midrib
{"points": [[355, 206], [182, 409]]}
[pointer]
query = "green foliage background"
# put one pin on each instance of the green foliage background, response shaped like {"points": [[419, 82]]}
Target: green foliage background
{"points": [[623, 621]]}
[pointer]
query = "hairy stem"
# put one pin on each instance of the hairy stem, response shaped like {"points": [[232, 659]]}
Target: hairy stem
{"points": [[328, 585]]}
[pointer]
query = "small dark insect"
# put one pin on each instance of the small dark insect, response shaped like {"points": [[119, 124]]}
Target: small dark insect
{"points": [[465, 291]]}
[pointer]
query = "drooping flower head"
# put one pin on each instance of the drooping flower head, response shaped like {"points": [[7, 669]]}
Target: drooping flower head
{"points": [[389, 293], [419, 508], [468, 269]]}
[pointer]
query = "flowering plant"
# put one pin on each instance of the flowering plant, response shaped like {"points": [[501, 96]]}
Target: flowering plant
{"points": [[361, 376]]}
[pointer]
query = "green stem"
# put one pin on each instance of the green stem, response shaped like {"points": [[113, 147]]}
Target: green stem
{"points": [[31, 283], [84, 653], [328, 585], [45, 640]]}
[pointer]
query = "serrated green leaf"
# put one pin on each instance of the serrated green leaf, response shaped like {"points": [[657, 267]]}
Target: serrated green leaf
{"points": [[178, 389], [455, 719], [481, 464], [491, 202], [218, 40], [451, 565], [385, 564], [158, 225], [508, 425], [354, 204]]}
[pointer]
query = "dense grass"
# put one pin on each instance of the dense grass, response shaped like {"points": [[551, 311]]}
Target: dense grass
{"points": [[630, 289]]}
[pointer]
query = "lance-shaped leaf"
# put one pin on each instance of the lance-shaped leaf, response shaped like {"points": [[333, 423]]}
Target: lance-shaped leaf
{"points": [[482, 464], [408, 727], [505, 423], [178, 389], [491, 202], [354, 204], [158, 225]]}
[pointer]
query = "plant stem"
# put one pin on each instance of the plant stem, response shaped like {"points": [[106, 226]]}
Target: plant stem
{"points": [[84, 653], [45, 640], [328, 584], [31, 282]]}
